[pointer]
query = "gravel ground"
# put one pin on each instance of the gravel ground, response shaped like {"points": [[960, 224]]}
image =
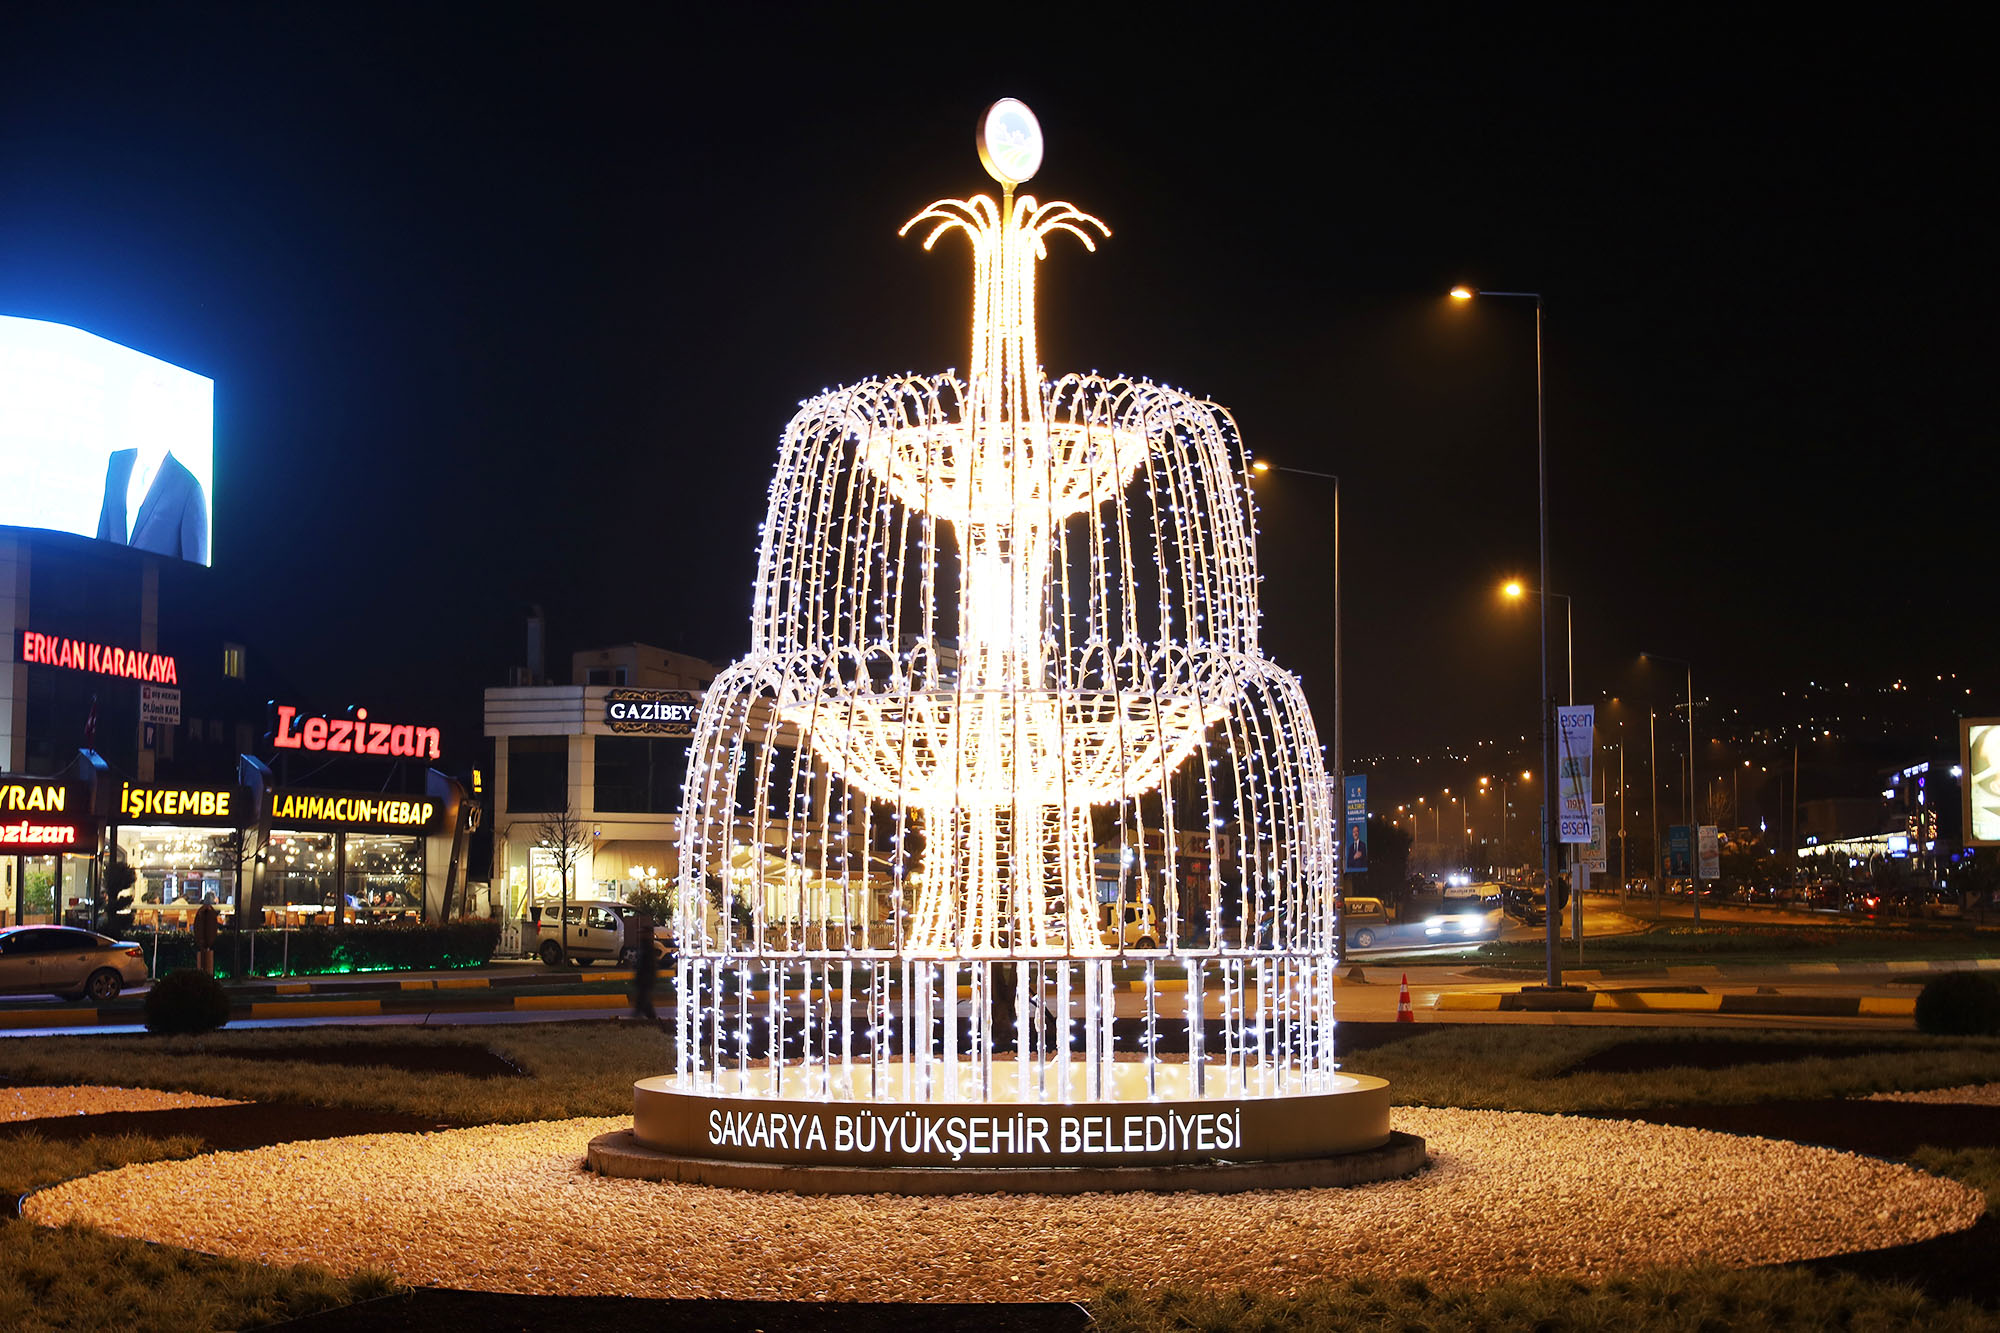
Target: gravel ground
{"points": [[510, 1208], [41, 1103], [1971, 1094]]}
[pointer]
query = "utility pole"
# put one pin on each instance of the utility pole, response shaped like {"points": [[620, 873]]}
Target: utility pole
{"points": [[1653, 772]]}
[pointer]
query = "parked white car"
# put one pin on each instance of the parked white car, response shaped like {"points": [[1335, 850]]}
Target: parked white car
{"points": [[67, 962]]}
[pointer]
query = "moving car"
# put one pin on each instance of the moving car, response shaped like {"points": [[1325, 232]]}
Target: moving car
{"points": [[67, 962], [1461, 919]]}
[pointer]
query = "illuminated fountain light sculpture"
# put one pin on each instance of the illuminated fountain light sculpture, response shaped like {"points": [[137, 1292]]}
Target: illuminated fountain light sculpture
{"points": [[1005, 800]]}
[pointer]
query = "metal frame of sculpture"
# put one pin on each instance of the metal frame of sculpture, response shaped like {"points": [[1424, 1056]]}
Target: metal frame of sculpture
{"points": [[1005, 683]]}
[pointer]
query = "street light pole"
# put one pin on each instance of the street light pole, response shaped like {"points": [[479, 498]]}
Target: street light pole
{"points": [[1682, 661], [1547, 700]]}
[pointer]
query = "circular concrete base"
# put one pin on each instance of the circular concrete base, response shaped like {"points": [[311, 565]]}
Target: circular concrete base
{"points": [[620, 1154]]}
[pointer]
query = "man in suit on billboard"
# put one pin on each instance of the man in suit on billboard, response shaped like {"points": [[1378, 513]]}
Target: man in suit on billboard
{"points": [[153, 503]]}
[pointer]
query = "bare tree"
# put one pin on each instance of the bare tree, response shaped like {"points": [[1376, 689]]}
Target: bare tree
{"points": [[564, 837]]}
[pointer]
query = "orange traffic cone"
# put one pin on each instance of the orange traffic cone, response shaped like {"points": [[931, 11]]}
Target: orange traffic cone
{"points": [[1405, 1014]]}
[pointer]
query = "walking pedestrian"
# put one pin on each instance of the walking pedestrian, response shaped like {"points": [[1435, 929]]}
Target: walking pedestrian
{"points": [[205, 920], [645, 967]]}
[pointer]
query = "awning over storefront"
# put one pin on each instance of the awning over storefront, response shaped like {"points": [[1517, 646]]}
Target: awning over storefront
{"points": [[635, 859]]}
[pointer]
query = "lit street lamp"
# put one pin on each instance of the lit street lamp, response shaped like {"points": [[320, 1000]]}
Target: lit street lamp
{"points": [[1547, 700], [1514, 589]]}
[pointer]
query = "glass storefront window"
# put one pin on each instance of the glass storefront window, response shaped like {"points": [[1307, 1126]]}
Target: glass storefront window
{"points": [[545, 882], [385, 876], [179, 869], [76, 888], [33, 896], [299, 874]]}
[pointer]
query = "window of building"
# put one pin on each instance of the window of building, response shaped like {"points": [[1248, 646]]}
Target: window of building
{"points": [[232, 660], [177, 870], [537, 773], [604, 675], [640, 774], [385, 876]]}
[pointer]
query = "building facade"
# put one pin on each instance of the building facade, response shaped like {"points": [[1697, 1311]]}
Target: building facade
{"points": [[608, 754]]}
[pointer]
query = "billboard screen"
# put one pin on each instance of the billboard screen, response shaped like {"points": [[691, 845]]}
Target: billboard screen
{"points": [[105, 442], [1979, 741]]}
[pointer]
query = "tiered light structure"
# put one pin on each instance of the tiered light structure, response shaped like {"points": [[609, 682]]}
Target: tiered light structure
{"points": [[1005, 739]]}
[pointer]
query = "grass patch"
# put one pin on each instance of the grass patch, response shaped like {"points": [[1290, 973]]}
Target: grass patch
{"points": [[1977, 1167], [77, 1278], [1519, 1068], [574, 1069], [29, 1161], [579, 1069], [1661, 1299]]}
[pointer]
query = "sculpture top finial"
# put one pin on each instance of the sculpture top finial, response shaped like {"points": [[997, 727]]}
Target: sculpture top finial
{"points": [[1010, 142]]}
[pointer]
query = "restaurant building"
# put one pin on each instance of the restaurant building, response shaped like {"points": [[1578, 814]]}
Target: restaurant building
{"points": [[289, 855], [610, 748]]}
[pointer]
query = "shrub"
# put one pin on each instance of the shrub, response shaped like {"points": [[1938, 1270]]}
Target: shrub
{"points": [[187, 1001], [1960, 1004], [347, 947]]}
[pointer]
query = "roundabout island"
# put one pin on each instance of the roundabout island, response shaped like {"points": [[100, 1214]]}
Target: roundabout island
{"points": [[1006, 857], [1509, 1195]]}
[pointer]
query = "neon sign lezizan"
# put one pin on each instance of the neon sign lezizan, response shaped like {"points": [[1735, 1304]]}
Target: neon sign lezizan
{"points": [[355, 735]]}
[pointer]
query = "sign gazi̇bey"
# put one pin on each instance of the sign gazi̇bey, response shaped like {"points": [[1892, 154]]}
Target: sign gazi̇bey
{"points": [[352, 735]]}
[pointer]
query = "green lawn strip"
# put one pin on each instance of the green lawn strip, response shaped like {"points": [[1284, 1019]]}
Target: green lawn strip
{"points": [[1977, 1167], [131, 1008], [72, 1277], [575, 1069], [67, 1278], [1672, 1300], [1519, 1068], [578, 1069], [1748, 945], [30, 1161]]}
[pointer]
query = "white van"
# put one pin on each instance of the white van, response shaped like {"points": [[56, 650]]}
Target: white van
{"points": [[595, 929], [1130, 924]]}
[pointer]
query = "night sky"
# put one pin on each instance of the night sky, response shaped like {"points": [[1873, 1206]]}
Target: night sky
{"points": [[509, 306]]}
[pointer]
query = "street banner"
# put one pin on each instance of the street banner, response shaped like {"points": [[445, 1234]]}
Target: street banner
{"points": [[1711, 853], [1979, 761], [1575, 743], [1596, 858], [1680, 851], [160, 705], [1354, 845]]}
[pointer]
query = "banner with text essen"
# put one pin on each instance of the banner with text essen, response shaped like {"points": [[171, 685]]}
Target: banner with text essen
{"points": [[1575, 740], [1597, 857]]}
